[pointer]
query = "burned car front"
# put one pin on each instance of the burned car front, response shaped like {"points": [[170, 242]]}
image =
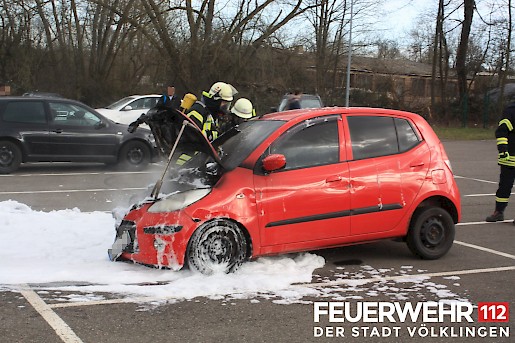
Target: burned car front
{"points": [[156, 230], [189, 216]]}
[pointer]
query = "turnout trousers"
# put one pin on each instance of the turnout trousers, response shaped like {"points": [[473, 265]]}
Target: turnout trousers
{"points": [[502, 195]]}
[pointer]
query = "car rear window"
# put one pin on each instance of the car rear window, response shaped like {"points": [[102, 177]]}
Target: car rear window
{"points": [[24, 112]]}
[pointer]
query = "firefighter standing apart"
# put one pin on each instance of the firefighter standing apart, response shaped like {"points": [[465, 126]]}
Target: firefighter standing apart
{"points": [[505, 135]]}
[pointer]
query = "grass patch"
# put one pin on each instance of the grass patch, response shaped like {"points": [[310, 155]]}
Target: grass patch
{"points": [[464, 133]]}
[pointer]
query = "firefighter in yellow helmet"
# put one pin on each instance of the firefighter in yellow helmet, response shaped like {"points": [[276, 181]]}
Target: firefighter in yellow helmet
{"points": [[211, 107]]}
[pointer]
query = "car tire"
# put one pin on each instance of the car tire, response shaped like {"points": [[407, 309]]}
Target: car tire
{"points": [[431, 233], [217, 246], [134, 154], [10, 157]]}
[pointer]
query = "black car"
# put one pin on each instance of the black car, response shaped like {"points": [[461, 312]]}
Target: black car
{"points": [[50, 129], [306, 101]]}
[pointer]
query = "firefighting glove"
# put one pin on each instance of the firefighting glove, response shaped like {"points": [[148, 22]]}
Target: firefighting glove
{"points": [[133, 126], [504, 156]]}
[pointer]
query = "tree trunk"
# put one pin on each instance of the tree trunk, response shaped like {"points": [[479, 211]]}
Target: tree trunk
{"points": [[461, 54]]}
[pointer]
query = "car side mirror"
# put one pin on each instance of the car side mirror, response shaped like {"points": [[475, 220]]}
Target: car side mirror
{"points": [[127, 108], [274, 162], [100, 125]]}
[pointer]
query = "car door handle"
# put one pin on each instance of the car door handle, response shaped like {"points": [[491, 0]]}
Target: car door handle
{"points": [[334, 178], [416, 164], [58, 130]]}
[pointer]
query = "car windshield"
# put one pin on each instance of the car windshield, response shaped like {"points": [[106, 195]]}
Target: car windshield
{"points": [[120, 102], [237, 144]]}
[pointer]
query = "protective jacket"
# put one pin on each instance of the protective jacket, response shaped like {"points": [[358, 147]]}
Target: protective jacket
{"points": [[204, 120], [505, 135]]}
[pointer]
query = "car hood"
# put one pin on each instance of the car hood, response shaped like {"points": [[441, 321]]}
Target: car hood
{"points": [[191, 160]]}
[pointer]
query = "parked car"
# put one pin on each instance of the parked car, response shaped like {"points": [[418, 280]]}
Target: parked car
{"points": [[297, 181], [508, 93], [128, 109], [48, 129], [306, 101]]}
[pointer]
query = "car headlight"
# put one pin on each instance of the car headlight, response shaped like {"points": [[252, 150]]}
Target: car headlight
{"points": [[178, 201]]}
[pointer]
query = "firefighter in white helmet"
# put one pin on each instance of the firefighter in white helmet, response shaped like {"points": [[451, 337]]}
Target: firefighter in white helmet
{"points": [[211, 107], [241, 111]]}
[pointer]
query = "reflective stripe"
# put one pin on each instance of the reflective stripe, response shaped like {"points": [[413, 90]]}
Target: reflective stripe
{"points": [[197, 116], [208, 130], [183, 159], [502, 140], [507, 123], [501, 199], [510, 162], [507, 163]]}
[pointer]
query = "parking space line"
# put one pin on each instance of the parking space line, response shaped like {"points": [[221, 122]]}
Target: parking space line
{"points": [[482, 195], [60, 327], [408, 277], [473, 179], [399, 278], [77, 190], [77, 174], [500, 253]]}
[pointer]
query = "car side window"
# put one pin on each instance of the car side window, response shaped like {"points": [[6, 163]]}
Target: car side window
{"points": [[408, 137], [64, 114], [311, 143], [31, 112], [372, 136], [150, 102], [137, 104]]}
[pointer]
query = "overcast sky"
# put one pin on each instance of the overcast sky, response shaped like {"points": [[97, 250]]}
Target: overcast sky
{"points": [[402, 15]]}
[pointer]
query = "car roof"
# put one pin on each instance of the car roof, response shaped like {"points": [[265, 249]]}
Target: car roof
{"points": [[143, 96], [307, 113], [35, 98]]}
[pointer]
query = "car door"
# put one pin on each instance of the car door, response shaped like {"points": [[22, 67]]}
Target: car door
{"points": [[77, 133], [30, 122], [307, 200], [381, 180]]}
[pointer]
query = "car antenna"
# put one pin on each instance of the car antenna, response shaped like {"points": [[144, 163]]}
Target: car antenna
{"points": [[159, 183]]}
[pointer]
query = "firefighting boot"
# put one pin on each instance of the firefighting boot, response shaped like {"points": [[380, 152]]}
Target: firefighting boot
{"points": [[495, 217]]}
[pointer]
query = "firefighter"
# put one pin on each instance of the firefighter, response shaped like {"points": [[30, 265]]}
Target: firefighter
{"points": [[207, 112], [241, 111], [211, 107], [505, 135]]}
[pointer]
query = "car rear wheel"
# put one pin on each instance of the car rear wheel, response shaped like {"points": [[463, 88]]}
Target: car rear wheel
{"points": [[431, 233], [134, 154], [217, 246], [10, 157]]}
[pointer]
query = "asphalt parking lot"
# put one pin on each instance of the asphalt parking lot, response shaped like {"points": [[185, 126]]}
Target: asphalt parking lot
{"points": [[479, 268]]}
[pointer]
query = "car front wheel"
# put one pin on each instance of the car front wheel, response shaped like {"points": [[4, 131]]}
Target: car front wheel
{"points": [[10, 157], [431, 233], [134, 154], [218, 246]]}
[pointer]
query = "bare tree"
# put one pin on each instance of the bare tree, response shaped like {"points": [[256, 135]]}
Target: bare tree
{"points": [[461, 54]]}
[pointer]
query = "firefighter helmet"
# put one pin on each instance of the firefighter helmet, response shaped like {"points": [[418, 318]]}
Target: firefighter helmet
{"points": [[222, 90], [243, 108]]}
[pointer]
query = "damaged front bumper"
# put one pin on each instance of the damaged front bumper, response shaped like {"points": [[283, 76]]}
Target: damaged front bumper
{"points": [[154, 239]]}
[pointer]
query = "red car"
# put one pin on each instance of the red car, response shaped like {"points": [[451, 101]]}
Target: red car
{"points": [[296, 181]]}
